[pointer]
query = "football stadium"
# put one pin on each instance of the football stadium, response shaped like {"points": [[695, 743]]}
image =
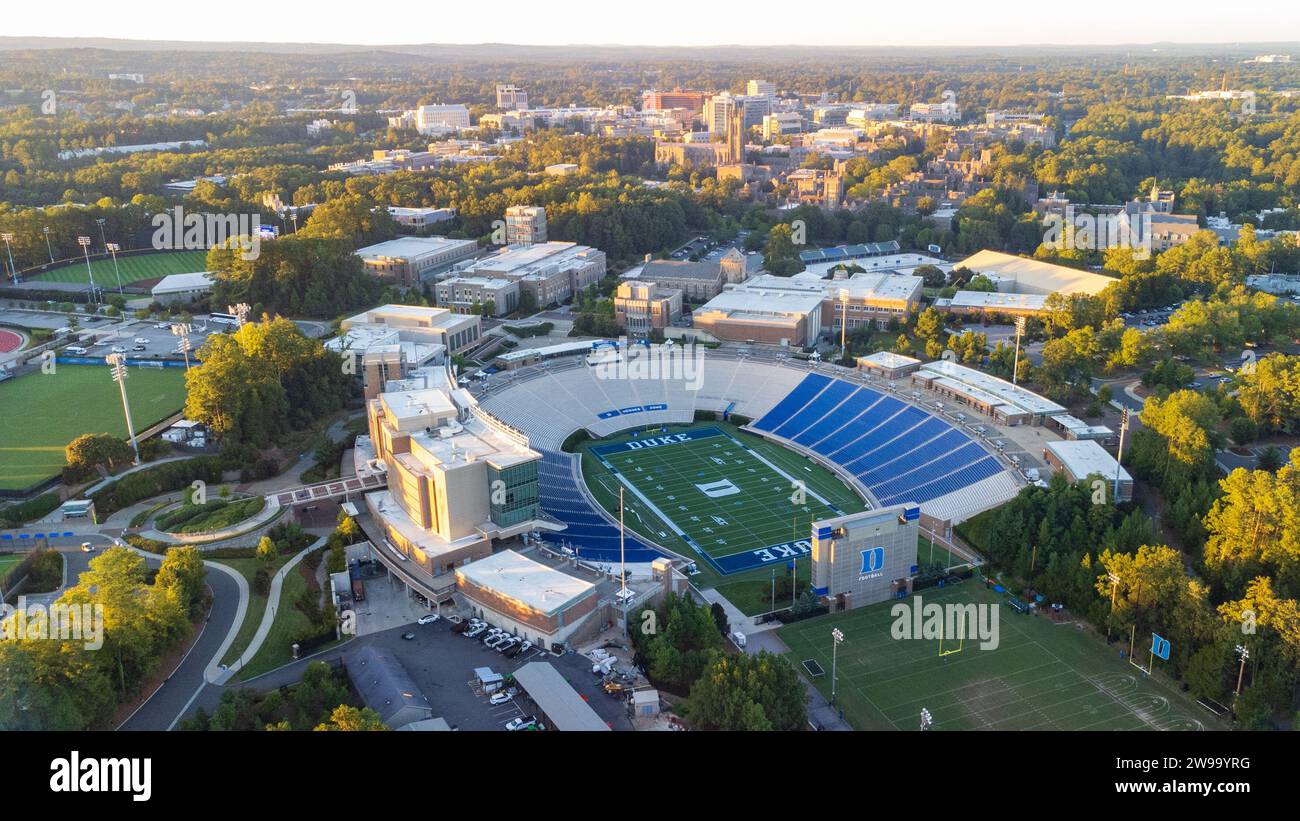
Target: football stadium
{"points": [[728, 459]]}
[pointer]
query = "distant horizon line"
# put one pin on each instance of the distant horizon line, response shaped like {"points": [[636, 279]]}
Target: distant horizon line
{"points": [[499, 44]]}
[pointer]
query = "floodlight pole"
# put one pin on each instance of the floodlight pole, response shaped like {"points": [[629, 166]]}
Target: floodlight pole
{"points": [[84, 242], [9, 238], [622, 575], [49, 248], [113, 248], [102, 239], [1114, 585], [183, 331], [1123, 428], [837, 636], [1240, 673], [117, 363], [1015, 363]]}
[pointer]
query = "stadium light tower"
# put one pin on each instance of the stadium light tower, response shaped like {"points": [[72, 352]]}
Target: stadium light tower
{"points": [[102, 239], [926, 719], [48, 247], [622, 572], [837, 636], [1123, 428], [241, 312], [1243, 654], [117, 363], [84, 242], [113, 248], [183, 331], [1015, 363], [9, 238]]}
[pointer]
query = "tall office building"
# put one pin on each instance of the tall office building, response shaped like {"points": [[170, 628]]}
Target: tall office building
{"points": [[761, 88], [717, 112], [511, 97], [525, 225]]}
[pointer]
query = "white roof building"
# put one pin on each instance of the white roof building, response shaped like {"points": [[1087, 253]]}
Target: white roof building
{"points": [[1081, 459], [526, 581], [1012, 274]]}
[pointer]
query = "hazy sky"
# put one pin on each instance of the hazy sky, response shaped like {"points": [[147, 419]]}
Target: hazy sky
{"points": [[667, 22]]}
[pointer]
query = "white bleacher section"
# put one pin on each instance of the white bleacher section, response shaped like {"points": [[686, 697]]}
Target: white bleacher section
{"points": [[550, 401]]}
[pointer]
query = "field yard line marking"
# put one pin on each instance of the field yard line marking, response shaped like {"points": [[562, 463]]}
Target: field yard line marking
{"points": [[791, 479]]}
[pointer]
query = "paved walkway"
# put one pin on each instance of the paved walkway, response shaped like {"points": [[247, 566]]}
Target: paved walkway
{"points": [[216, 673], [822, 715]]}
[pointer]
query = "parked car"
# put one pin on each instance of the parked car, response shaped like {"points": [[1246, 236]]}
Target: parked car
{"points": [[515, 649], [118, 349], [521, 723], [473, 631], [509, 642], [501, 697], [87, 547], [408, 636], [524, 647], [498, 639], [142, 340], [429, 618], [139, 348], [460, 627]]}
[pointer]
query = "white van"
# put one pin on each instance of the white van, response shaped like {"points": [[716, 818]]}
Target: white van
{"points": [[75, 350]]}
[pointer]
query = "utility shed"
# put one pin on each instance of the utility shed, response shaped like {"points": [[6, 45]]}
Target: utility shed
{"points": [[564, 708]]}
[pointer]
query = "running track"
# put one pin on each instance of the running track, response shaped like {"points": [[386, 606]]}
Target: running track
{"points": [[9, 341]]}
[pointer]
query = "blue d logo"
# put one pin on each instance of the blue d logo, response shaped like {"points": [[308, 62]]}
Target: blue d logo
{"points": [[873, 559]]}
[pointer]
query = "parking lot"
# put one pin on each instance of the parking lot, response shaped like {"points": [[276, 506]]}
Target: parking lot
{"points": [[145, 339], [442, 664]]}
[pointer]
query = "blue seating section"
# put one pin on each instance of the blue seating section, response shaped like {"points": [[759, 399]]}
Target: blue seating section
{"points": [[898, 451], [796, 399], [589, 532]]}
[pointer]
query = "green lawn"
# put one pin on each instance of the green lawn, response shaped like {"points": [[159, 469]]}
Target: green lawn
{"points": [[755, 511], [1041, 676], [9, 560], [41, 413], [256, 603], [276, 650], [129, 268], [216, 515]]}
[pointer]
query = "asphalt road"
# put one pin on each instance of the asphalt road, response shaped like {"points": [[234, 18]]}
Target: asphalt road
{"points": [[170, 701]]}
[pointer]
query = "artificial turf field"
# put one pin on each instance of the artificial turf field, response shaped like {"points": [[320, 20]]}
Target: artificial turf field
{"points": [[131, 268], [1042, 676], [712, 491], [41, 413]]}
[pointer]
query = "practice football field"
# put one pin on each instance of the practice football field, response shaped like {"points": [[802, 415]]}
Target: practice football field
{"points": [[736, 504], [1043, 675], [130, 268], [41, 413]]}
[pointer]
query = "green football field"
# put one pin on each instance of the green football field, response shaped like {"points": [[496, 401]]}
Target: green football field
{"points": [[1043, 675], [712, 491], [131, 268], [41, 413]]}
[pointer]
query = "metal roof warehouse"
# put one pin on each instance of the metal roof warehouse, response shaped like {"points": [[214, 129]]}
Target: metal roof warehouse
{"points": [[565, 709]]}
